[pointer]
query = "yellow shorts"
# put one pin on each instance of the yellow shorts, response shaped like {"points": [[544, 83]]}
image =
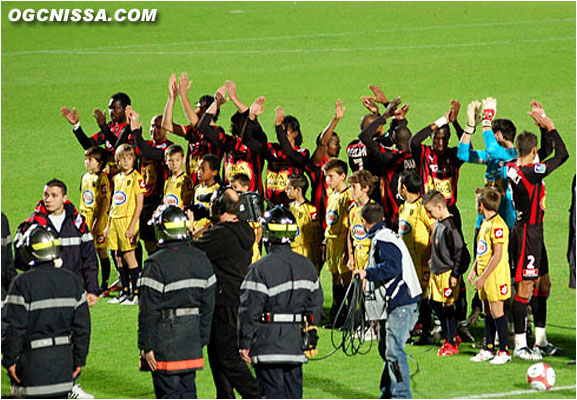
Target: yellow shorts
{"points": [[361, 256], [335, 250], [497, 286], [117, 235], [440, 289], [100, 242]]}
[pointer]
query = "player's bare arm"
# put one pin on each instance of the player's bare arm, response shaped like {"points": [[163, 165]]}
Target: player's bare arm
{"points": [[184, 85], [167, 116], [232, 95], [327, 134]]}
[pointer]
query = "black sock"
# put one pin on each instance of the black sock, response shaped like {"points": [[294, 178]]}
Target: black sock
{"points": [[105, 272], [490, 329], [440, 312], [519, 313], [539, 311], [115, 260], [451, 316], [503, 331], [124, 280], [425, 317], [134, 273], [476, 302], [461, 303]]}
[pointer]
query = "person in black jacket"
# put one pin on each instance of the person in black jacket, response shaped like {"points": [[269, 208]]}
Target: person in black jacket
{"points": [[280, 295], [176, 306], [46, 320], [228, 245], [8, 271]]}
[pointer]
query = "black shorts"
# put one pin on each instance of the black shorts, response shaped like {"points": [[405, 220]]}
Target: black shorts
{"points": [[528, 253], [147, 231]]}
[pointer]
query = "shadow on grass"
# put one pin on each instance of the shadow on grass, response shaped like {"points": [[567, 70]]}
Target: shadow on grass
{"points": [[337, 389], [115, 385]]}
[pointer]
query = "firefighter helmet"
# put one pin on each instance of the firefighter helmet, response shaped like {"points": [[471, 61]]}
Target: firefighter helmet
{"points": [[279, 225]]}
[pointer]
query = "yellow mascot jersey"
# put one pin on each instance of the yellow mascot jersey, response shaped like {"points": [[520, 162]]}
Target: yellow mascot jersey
{"points": [[359, 236], [308, 239], [336, 230], [178, 190], [95, 193], [201, 190], [126, 187]]}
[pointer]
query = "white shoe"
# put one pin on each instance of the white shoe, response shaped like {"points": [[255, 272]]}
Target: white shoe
{"points": [[370, 334], [525, 353], [78, 393], [130, 301], [118, 299], [483, 355], [502, 357]]}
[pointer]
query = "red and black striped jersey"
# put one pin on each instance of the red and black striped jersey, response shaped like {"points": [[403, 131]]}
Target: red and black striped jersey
{"points": [[117, 128], [319, 187], [153, 171], [399, 161], [439, 171], [279, 168], [198, 146]]}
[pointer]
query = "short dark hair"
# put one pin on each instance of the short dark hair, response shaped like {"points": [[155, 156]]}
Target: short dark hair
{"points": [[122, 97], [507, 128], [526, 141], [372, 213], [299, 181], [291, 122], [57, 183], [434, 197], [237, 122], [338, 165], [489, 197], [446, 129], [318, 141], [231, 202], [401, 133], [173, 149], [241, 178], [412, 181], [212, 160], [99, 154], [205, 101]]}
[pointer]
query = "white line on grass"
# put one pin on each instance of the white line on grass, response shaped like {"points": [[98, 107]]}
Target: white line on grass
{"points": [[313, 50], [513, 393], [289, 37]]}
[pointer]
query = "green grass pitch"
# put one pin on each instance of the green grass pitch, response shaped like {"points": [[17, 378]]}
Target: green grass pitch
{"points": [[303, 56]]}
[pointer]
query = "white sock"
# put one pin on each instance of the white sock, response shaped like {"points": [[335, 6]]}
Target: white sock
{"points": [[540, 337], [520, 340]]}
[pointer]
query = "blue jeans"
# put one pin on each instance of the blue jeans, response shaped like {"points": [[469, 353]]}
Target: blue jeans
{"points": [[393, 334]]}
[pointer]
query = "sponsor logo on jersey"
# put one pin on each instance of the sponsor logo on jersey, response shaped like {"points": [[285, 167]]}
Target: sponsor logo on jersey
{"points": [[482, 247], [103, 189], [359, 232], [119, 198], [88, 197], [447, 292], [171, 200], [314, 216], [405, 227], [498, 232], [332, 217], [298, 231], [100, 239], [434, 168], [141, 183], [78, 221], [540, 168], [504, 289], [530, 273]]}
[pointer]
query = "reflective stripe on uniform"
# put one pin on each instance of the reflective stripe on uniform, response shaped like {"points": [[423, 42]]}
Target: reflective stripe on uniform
{"points": [[181, 312], [87, 237], [53, 303], [59, 340], [286, 317], [269, 358], [179, 365], [16, 300], [47, 389], [151, 283], [186, 284], [254, 286], [81, 301], [7, 240], [70, 241], [294, 285]]}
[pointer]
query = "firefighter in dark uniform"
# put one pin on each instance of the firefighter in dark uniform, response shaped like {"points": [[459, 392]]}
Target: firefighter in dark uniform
{"points": [[47, 321], [176, 305], [281, 301]]}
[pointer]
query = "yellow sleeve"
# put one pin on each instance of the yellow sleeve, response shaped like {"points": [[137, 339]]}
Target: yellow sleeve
{"points": [[139, 186], [498, 233]]}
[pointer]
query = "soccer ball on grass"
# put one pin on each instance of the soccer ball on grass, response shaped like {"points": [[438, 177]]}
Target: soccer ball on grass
{"points": [[541, 376]]}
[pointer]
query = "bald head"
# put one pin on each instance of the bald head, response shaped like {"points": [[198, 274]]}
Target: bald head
{"points": [[367, 119], [401, 137]]}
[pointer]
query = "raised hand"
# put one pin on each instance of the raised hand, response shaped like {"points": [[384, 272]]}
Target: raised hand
{"points": [[379, 95], [99, 116], [256, 108], [489, 107], [455, 107], [473, 116], [132, 117], [231, 88], [172, 87], [390, 110], [339, 110], [70, 115], [401, 113], [219, 96], [184, 84], [541, 119], [370, 104], [279, 115]]}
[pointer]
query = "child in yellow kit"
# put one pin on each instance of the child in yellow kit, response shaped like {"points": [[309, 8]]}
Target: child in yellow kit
{"points": [[209, 183], [491, 275], [241, 184], [94, 205], [178, 186], [416, 228], [307, 241], [361, 183], [123, 222], [335, 171]]}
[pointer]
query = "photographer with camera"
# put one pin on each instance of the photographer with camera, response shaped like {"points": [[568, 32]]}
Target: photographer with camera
{"points": [[281, 301], [228, 245]]}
